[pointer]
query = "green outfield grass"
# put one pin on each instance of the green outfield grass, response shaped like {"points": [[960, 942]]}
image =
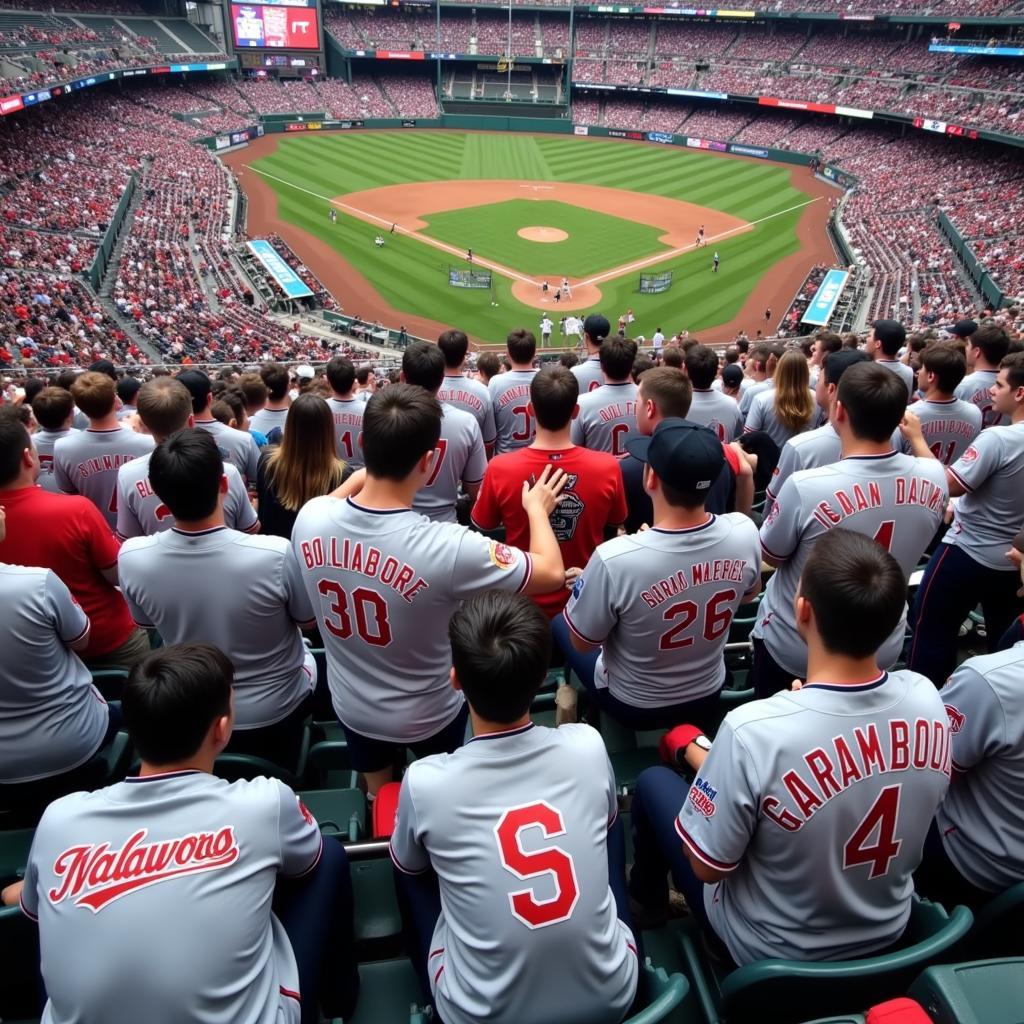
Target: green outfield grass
{"points": [[308, 171]]}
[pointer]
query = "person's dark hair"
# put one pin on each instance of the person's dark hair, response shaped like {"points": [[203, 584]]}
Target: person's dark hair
{"points": [[829, 341], [453, 345], [14, 439], [423, 365], [875, 399], [521, 345], [501, 646], [488, 364], [172, 697], [743, 344], [701, 366], [275, 376], [400, 425], [305, 465], [759, 356], [890, 335], [32, 388], [670, 390], [164, 406], [672, 356], [640, 366], [199, 387], [1013, 364], [363, 374], [222, 412], [568, 360], [849, 577], [835, 364], [233, 398], [616, 357], [553, 393], [66, 378], [948, 363], [128, 388], [993, 341], [732, 354], [185, 470], [341, 374], [52, 407]]}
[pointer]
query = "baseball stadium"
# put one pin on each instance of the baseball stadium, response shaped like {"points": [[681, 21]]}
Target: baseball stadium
{"points": [[511, 512]]}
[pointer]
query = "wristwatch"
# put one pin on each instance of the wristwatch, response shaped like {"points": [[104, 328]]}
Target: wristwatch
{"points": [[701, 741]]}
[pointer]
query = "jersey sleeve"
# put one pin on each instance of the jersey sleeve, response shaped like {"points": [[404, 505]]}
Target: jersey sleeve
{"points": [[488, 428], [238, 511], [619, 509], [979, 462], [591, 612], [407, 851], [781, 529], [300, 608], [482, 564], [128, 524], [755, 415], [476, 463], [719, 816], [976, 718], [576, 432], [301, 841], [252, 458], [788, 464], [61, 476], [30, 890], [139, 615], [102, 546], [70, 622]]}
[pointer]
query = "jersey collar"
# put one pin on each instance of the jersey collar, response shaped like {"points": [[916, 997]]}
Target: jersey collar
{"points": [[687, 529], [377, 511], [869, 458], [198, 533], [503, 733], [871, 684], [163, 776]]}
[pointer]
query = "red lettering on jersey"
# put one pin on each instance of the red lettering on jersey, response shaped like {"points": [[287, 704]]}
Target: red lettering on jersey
{"points": [[922, 744], [847, 765], [869, 746], [144, 488], [823, 771], [783, 818], [899, 745], [807, 802]]}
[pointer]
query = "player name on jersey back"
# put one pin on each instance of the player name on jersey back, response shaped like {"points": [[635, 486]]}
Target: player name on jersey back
{"points": [[357, 557]]}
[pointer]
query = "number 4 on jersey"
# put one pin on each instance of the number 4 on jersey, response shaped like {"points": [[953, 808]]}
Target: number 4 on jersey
{"points": [[879, 823]]}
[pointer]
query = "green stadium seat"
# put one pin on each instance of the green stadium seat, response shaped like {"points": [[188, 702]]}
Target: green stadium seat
{"points": [[234, 766], [389, 993], [378, 923], [997, 926], [796, 989], [14, 847], [109, 681], [338, 812], [329, 765], [19, 995], [663, 993], [981, 992]]}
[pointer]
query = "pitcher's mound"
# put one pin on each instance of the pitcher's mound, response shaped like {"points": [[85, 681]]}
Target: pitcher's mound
{"points": [[537, 234], [584, 296]]}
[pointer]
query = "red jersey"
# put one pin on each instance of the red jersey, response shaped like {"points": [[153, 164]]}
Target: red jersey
{"points": [[67, 534], [593, 499]]}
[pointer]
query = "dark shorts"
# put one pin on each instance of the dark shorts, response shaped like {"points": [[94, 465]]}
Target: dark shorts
{"points": [[370, 755]]}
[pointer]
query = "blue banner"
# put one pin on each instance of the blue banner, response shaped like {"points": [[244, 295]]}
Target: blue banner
{"points": [[976, 50], [824, 302], [290, 282]]}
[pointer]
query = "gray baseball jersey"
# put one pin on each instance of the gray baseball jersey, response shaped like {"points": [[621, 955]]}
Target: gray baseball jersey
{"points": [[761, 416], [812, 448], [589, 374], [266, 420], [87, 462], [660, 602], [948, 427], [976, 388], [51, 717], [156, 893], [515, 826], [459, 456], [473, 397], [384, 584], [140, 513], [745, 385], [348, 425], [748, 396], [896, 499], [45, 440], [606, 418], [901, 370], [181, 584], [817, 804], [235, 446], [979, 821], [717, 412], [510, 393]]}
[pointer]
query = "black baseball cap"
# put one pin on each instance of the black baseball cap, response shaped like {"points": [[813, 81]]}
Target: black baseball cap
{"points": [[837, 363], [964, 328], [732, 375], [687, 456], [104, 366], [890, 331], [198, 384], [596, 327]]}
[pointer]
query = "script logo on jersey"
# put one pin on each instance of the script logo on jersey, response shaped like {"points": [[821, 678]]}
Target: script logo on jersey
{"points": [[94, 876], [970, 455], [702, 796], [956, 719], [566, 516]]}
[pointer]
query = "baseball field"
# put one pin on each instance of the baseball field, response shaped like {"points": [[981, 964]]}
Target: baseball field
{"points": [[535, 208]]}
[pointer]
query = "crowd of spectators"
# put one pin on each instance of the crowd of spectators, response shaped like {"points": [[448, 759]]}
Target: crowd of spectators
{"points": [[791, 318]]}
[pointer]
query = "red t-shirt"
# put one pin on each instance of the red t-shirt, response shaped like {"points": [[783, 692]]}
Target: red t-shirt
{"points": [[67, 534], [594, 498]]}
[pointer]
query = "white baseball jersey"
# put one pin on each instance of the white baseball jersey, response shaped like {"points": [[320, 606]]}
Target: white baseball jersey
{"points": [[384, 584], [903, 371], [979, 821], [169, 871], [606, 418], [589, 374], [748, 396], [515, 826], [266, 420], [473, 397], [235, 446], [459, 456], [896, 499], [510, 393], [87, 462], [717, 412], [181, 584], [761, 416], [991, 513], [141, 513], [948, 427], [976, 388], [45, 440], [52, 719], [348, 425], [817, 804], [660, 603]]}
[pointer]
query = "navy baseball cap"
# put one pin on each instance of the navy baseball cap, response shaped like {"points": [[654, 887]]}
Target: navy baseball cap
{"points": [[964, 328], [837, 363], [596, 327], [198, 384], [687, 456], [104, 366], [732, 375]]}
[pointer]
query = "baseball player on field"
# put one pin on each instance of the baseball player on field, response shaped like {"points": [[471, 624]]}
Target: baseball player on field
{"points": [[976, 844], [54, 410], [971, 565], [482, 823], [710, 408], [987, 347], [608, 413], [798, 837], [384, 581], [464, 392], [949, 424], [87, 462], [165, 407], [460, 459], [646, 626], [510, 394], [346, 410], [179, 583], [174, 868], [589, 373], [897, 499]]}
